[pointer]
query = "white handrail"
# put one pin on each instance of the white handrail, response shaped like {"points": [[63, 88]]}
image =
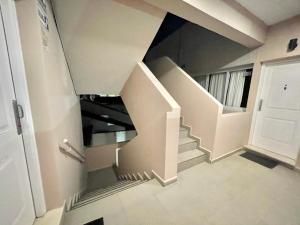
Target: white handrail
{"points": [[66, 142], [70, 153], [117, 156]]}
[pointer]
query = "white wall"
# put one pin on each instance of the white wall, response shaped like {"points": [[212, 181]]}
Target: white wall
{"points": [[55, 106], [200, 51], [100, 157], [219, 133], [103, 40], [199, 109], [232, 133], [156, 118]]}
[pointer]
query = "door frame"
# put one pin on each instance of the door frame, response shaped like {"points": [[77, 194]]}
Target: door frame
{"points": [[261, 82], [13, 42]]}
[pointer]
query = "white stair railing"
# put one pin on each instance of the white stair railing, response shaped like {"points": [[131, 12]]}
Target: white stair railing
{"points": [[71, 151]]}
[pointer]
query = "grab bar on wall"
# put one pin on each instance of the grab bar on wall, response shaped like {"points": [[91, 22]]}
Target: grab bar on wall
{"points": [[71, 154], [67, 143]]}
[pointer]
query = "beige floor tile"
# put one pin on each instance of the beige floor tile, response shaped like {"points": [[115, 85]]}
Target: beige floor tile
{"points": [[110, 208], [233, 191]]}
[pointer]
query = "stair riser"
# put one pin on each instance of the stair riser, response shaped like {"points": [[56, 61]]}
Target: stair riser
{"points": [[95, 193], [104, 191], [187, 146], [183, 134], [190, 163], [96, 198]]}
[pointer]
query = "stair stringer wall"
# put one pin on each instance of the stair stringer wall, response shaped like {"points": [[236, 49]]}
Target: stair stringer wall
{"points": [[199, 109], [156, 116], [220, 134]]}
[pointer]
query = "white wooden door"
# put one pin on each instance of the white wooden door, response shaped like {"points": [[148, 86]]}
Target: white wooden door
{"points": [[16, 204], [277, 127]]}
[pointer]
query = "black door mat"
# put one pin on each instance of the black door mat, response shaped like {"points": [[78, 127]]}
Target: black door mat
{"points": [[96, 222], [261, 160]]}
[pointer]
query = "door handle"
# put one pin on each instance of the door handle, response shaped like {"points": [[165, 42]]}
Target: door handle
{"points": [[17, 116]]}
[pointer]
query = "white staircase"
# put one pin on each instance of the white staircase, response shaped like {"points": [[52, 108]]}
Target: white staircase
{"points": [[189, 152], [122, 182], [96, 195]]}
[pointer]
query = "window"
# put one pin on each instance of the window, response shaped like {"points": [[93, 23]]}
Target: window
{"points": [[218, 86], [231, 88], [203, 81]]}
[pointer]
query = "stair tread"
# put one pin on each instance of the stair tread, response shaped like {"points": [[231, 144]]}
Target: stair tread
{"points": [[109, 188], [186, 140], [184, 156], [105, 194], [183, 129]]}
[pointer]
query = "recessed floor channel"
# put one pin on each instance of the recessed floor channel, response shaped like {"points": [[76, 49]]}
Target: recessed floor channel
{"points": [[261, 160]]}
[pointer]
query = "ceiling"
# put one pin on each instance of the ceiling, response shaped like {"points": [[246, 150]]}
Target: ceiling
{"points": [[272, 11]]}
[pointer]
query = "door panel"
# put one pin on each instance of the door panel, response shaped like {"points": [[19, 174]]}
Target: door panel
{"points": [[277, 126], [16, 204], [283, 89], [3, 113], [278, 129]]}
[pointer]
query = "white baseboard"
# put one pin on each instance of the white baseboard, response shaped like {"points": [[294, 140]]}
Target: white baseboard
{"points": [[63, 213], [69, 204], [297, 169], [72, 200], [207, 151], [52, 217], [162, 181], [226, 154]]}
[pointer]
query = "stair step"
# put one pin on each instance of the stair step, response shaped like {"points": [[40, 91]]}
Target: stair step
{"points": [[102, 190], [183, 129], [187, 144], [189, 159], [106, 194], [183, 133]]}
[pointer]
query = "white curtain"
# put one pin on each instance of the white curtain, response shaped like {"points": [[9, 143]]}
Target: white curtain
{"points": [[236, 88], [217, 86], [203, 81]]}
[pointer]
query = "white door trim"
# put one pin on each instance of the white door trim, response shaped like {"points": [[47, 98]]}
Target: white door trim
{"points": [[21, 89], [259, 91], [256, 104]]}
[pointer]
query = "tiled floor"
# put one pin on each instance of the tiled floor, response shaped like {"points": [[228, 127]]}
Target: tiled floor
{"points": [[233, 191]]}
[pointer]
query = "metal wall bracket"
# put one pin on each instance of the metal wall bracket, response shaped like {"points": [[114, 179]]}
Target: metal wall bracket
{"points": [[19, 113], [260, 104]]}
